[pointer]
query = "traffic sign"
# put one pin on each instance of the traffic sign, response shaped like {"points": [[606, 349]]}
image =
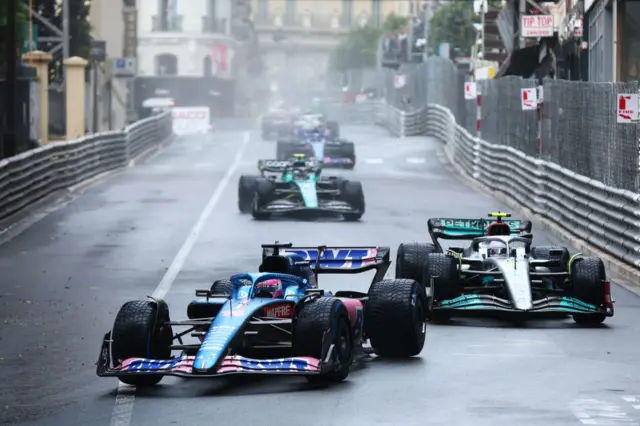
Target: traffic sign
{"points": [[529, 99], [627, 107], [534, 26], [98, 50], [470, 90], [123, 67]]}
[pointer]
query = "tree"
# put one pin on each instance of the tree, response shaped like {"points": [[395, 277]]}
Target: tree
{"points": [[21, 28], [453, 24], [359, 48]]}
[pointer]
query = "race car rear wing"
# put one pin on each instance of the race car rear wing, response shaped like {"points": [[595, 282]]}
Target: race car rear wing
{"points": [[279, 166], [468, 229], [337, 259]]}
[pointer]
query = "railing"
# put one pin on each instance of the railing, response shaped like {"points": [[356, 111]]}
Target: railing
{"points": [[170, 24], [604, 217], [311, 21], [38, 173]]}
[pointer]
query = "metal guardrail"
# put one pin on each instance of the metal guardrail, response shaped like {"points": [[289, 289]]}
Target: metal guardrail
{"points": [[606, 217], [35, 174]]}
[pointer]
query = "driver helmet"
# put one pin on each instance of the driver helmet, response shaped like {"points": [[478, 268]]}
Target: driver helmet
{"points": [[268, 289]]}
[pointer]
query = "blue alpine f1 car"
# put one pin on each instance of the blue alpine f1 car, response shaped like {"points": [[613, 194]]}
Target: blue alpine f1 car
{"points": [[275, 321], [317, 143]]}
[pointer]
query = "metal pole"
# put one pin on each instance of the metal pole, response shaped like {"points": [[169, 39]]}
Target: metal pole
{"points": [[95, 97], [482, 17], [9, 141], [65, 36], [523, 11]]}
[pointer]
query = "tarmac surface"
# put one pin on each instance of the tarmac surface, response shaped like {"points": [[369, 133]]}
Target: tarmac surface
{"points": [[171, 224]]}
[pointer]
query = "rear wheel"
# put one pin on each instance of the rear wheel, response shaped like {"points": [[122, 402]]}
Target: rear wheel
{"points": [[314, 319], [588, 283], [140, 331], [411, 258], [395, 318]]}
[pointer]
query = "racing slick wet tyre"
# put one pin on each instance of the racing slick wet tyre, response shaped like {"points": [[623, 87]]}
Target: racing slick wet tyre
{"points": [[544, 253], [309, 327], [443, 268], [262, 196], [410, 260], [334, 128], [350, 152], [588, 284], [353, 194], [140, 331], [395, 317], [222, 287], [246, 190]]}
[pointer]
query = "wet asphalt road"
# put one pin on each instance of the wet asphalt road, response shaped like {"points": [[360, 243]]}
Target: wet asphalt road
{"points": [[64, 279]]}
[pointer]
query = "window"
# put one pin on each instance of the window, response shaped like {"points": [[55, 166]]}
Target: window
{"points": [[290, 13], [262, 17], [630, 41], [347, 13]]}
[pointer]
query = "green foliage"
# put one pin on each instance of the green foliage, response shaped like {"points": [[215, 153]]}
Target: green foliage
{"points": [[359, 48], [453, 24], [21, 27]]}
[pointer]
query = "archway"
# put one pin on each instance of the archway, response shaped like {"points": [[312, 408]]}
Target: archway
{"points": [[166, 64]]}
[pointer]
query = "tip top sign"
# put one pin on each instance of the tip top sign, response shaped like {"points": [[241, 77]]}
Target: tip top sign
{"points": [[528, 99], [470, 90]]}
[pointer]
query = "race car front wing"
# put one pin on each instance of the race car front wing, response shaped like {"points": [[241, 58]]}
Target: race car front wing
{"points": [[284, 206], [182, 366], [549, 304]]}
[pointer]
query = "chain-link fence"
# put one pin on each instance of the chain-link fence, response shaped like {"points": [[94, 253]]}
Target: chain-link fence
{"points": [[577, 123]]}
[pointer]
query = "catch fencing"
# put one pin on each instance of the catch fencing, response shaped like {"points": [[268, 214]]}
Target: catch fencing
{"points": [[570, 163], [575, 128], [38, 173]]}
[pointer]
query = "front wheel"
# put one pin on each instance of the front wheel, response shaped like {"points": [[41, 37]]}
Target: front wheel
{"points": [[140, 330], [325, 317]]}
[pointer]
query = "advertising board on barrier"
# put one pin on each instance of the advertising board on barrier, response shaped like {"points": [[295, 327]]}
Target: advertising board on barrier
{"points": [[190, 120]]}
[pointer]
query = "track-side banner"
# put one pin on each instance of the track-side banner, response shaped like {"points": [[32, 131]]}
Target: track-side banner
{"points": [[191, 120]]}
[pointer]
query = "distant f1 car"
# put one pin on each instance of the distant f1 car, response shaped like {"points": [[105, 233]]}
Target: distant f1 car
{"points": [[276, 321], [278, 121], [338, 153], [296, 188], [500, 271]]}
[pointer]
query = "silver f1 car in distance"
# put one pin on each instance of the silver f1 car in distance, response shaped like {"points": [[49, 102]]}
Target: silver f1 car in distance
{"points": [[500, 271]]}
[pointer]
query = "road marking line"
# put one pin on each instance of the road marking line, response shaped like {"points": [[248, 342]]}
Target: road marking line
{"points": [[414, 160], [636, 407], [187, 246], [630, 398], [374, 160], [203, 165], [125, 398]]}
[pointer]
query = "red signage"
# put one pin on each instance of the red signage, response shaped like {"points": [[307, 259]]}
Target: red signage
{"points": [[279, 311], [189, 115], [220, 55]]}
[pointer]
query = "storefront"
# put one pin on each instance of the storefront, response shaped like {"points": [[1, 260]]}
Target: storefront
{"points": [[572, 56], [599, 26], [628, 32]]}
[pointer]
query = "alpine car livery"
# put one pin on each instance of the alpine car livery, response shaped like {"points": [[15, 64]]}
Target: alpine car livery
{"points": [[500, 271], [315, 143], [275, 321], [296, 187]]}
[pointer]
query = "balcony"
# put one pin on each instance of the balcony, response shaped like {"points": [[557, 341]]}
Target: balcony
{"points": [[169, 24], [212, 25], [310, 22]]}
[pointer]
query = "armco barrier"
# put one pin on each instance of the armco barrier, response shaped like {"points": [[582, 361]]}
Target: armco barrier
{"points": [[35, 174], [607, 218]]}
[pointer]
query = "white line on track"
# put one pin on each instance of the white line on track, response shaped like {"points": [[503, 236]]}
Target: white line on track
{"points": [[414, 160], [374, 160], [125, 398]]}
